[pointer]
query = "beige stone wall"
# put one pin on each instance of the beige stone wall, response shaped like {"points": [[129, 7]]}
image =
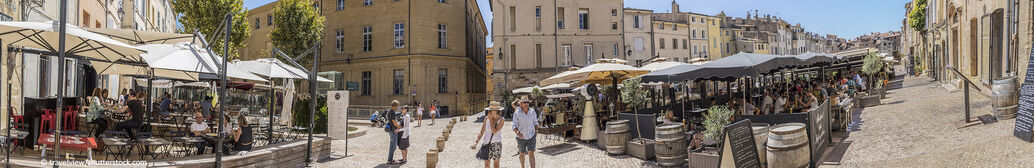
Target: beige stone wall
{"points": [[698, 43], [516, 37], [677, 50], [960, 36], [420, 74], [463, 56], [258, 45], [714, 38], [643, 33]]}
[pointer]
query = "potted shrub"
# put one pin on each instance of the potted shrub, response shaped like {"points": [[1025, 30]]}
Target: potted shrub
{"points": [[634, 96], [715, 120], [872, 64]]}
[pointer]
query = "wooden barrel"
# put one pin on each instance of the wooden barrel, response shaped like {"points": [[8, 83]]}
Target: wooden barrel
{"points": [[616, 136], [760, 139], [669, 132], [788, 146], [671, 145], [671, 152], [1004, 98]]}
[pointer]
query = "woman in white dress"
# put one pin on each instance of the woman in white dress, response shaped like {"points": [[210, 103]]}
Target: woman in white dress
{"points": [[494, 139], [419, 113]]}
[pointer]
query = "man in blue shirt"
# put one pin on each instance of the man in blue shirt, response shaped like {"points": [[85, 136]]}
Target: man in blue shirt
{"points": [[524, 122], [166, 104]]}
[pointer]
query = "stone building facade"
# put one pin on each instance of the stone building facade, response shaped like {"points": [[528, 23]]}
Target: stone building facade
{"points": [[536, 39], [985, 40], [406, 50], [638, 35]]}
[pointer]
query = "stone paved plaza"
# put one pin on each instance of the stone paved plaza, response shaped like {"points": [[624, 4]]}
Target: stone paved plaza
{"points": [[370, 150], [915, 127]]}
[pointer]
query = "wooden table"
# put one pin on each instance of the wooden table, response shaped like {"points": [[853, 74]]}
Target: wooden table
{"points": [[67, 142]]}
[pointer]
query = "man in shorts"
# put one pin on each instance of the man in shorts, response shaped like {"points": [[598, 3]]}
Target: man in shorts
{"points": [[524, 122]]}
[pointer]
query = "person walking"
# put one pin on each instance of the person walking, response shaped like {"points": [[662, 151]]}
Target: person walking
{"points": [[524, 122], [419, 114], [434, 111], [404, 134], [493, 141], [390, 127]]}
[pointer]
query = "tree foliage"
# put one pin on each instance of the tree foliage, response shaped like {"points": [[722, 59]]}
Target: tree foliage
{"points": [[206, 16], [917, 17], [872, 64], [297, 27], [634, 95], [715, 120]]}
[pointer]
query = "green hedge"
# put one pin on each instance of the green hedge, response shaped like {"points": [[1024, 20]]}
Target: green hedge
{"points": [[301, 114]]}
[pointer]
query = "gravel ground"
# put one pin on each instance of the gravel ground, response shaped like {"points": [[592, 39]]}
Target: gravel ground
{"points": [[370, 150], [916, 128]]}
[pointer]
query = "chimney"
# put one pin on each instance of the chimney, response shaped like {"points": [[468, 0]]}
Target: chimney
{"points": [[674, 7]]}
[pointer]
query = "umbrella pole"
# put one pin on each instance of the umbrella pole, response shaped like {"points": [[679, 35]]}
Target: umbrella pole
{"points": [[222, 91], [61, 77], [272, 101]]}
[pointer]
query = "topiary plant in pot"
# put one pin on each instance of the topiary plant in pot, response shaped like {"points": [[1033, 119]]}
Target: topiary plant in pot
{"points": [[715, 120]]}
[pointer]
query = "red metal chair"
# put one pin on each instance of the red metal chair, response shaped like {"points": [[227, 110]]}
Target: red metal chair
{"points": [[17, 119], [69, 118], [46, 121]]}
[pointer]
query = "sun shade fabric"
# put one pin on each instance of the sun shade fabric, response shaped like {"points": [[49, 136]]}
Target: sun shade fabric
{"points": [[107, 68], [190, 58], [600, 73], [78, 42], [142, 37], [274, 68]]}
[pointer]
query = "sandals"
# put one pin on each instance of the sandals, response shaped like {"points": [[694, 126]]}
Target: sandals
{"points": [[402, 162]]}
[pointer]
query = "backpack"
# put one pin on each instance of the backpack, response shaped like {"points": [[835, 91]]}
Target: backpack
{"points": [[387, 121]]}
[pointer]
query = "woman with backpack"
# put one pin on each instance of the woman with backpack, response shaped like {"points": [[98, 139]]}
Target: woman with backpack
{"points": [[492, 147]]}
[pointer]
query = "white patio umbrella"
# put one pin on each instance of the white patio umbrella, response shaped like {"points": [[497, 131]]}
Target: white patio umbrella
{"points": [[600, 73], [107, 68], [660, 65], [190, 58], [557, 86], [273, 68], [139, 37], [524, 89], [44, 36]]}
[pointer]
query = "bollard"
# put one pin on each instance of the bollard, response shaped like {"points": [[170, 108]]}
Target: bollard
{"points": [[432, 158], [441, 144]]}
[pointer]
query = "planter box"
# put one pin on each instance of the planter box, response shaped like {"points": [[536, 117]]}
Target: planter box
{"points": [[703, 160], [869, 101], [642, 151]]}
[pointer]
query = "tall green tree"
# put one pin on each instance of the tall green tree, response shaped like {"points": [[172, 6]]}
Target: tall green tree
{"points": [[296, 28], [917, 17], [206, 16]]}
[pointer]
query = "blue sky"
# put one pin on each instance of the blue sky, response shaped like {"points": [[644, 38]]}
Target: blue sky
{"points": [[846, 18]]}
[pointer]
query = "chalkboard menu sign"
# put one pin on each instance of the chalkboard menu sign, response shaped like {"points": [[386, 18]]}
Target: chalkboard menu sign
{"points": [[818, 130], [1030, 67], [741, 140], [1024, 119]]}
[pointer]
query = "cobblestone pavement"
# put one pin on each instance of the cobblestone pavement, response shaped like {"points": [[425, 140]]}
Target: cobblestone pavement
{"points": [[915, 127], [370, 150]]}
